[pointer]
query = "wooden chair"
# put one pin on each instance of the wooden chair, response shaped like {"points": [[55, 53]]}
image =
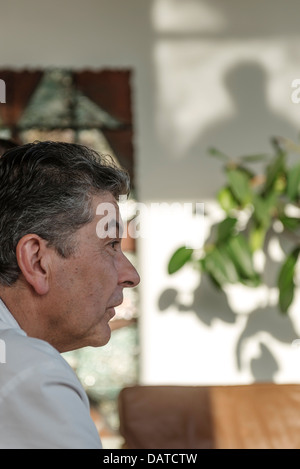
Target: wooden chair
{"points": [[254, 416]]}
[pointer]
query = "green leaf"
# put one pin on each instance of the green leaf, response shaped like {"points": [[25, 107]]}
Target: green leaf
{"points": [[286, 297], [291, 223], [219, 265], [241, 254], [260, 214], [230, 270], [225, 229], [293, 182], [180, 257], [257, 237], [240, 185], [274, 170], [214, 281], [285, 282], [264, 208], [226, 199], [254, 158], [217, 153]]}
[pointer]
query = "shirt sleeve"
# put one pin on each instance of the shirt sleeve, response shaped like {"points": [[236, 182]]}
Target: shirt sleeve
{"points": [[47, 408]]}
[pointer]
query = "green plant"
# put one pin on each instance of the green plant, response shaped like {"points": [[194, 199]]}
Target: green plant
{"points": [[266, 197]]}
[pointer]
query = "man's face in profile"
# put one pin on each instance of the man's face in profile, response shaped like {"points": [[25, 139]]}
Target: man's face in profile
{"points": [[87, 286]]}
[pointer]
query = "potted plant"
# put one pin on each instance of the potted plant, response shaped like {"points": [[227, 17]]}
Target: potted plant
{"points": [[270, 201]]}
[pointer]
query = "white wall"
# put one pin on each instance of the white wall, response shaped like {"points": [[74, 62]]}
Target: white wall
{"points": [[205, 73]]}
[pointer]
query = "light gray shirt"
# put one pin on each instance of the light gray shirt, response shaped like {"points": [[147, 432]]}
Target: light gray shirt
{"points": [[42, 403]]}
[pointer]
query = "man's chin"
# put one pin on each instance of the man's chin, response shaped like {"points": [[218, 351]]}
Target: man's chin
{"points": [[103, 338]]}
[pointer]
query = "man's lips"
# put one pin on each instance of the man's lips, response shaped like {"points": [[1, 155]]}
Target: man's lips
{"points": [[117, 303], [111, 309]]}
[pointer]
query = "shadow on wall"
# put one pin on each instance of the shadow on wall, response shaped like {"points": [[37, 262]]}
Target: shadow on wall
{"points": [[248, 20], [209, 305], [252, 122], [248, 130], [251, 126]]}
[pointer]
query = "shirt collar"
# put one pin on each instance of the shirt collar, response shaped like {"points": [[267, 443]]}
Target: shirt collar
{"points": [[7, 318]]}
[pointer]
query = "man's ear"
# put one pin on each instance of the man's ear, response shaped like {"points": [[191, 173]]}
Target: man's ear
{"points": [[33, 261]]}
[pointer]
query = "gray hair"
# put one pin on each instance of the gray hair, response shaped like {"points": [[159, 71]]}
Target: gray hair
{"points": [[46, 188]]}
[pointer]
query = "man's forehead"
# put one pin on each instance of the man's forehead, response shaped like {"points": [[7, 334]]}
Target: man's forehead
{"points": [[103, 198]]}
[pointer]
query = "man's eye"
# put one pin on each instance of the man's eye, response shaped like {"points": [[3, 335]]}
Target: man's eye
{"points": [[114, 244]]}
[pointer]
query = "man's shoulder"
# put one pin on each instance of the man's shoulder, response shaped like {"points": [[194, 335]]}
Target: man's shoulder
{"points": [[23, 355], [42, 403]]}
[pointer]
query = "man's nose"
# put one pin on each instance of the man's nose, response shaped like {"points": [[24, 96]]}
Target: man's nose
{"points": [[128, 275]]}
